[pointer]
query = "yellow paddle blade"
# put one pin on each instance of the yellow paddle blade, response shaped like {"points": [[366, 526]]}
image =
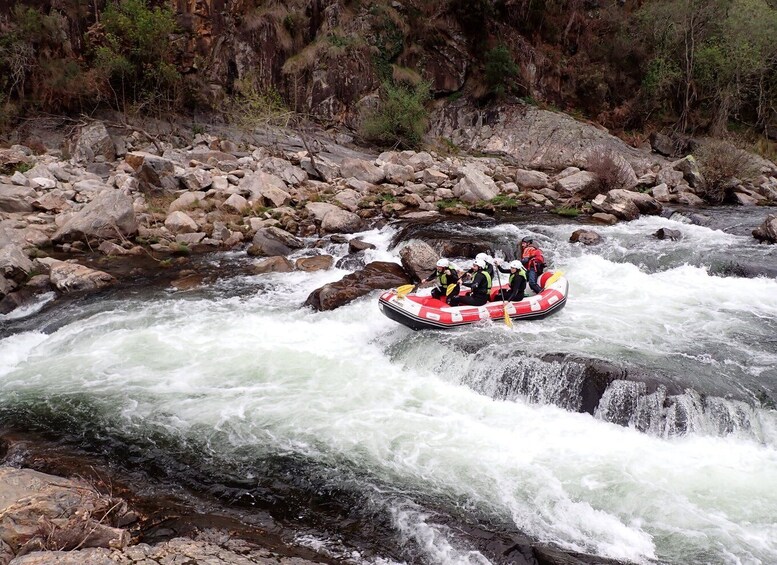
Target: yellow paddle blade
{"points": [[405, 289], [450, 289], [508, 321], [554, 277]]}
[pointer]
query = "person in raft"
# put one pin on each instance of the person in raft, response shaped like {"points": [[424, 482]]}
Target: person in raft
{"points": [[533, 261], [517, 281], [489, 263], [446, 275], [480, 285]]}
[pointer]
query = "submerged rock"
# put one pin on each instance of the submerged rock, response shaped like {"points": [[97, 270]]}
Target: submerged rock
{"points": [[376, 275]]}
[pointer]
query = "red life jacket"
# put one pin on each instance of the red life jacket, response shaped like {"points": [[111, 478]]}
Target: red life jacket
{"points": [[534, 256]]}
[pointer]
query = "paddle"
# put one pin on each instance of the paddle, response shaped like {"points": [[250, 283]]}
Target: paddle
{"points": [[450, 289], [508, 321], [405, 289], [553, 278]]}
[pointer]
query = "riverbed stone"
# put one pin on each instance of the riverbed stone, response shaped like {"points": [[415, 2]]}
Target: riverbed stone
{"points": [[69, 276], [272, 241], [767, 231], [180, 222], [376, 275], [361, 170], [586, 237], [315, 263], [419, 259], [110, 215], [276, 264], [475, 186]]}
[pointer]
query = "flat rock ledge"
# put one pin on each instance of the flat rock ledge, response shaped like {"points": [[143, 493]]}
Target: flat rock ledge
{"points": [[49, 520]]}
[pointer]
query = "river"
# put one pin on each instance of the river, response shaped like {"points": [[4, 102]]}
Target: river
{"points": [[383, 445]]}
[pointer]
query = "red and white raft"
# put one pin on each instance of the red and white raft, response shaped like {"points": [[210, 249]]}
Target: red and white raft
{"points": [[421, 312]]}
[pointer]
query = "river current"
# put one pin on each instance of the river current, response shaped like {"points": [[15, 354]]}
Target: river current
{"points": [[417, 439]]}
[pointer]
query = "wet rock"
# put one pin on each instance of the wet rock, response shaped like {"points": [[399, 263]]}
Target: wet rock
{"points": [[352, 262], [767, 231], [690, 170], [110, 215], [272, 241], [39, 511], [376, 275], [355, 245], [72, 277], [341, 221], [277, 264], [418, 259], [315, 263], [586, 237], [666, 233]]}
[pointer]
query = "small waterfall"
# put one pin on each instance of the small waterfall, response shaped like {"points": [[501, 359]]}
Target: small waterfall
{"points": [[628, 403], [589, 386]]}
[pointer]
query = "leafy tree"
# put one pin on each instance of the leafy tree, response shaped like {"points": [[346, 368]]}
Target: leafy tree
{"points": [[401, 118], [501, 69], [135, 53]]}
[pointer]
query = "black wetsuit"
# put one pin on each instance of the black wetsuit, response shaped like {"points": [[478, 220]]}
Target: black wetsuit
{"points": [[480, 286], [447, 277], [517, 288]]}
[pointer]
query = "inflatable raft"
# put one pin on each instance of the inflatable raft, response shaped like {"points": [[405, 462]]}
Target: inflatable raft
{"points": [[421, 311]]}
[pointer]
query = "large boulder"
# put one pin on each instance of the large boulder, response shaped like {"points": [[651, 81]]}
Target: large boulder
{"points": [[40, 512], [621, 207], [180, 222], [418, 259], [586, 237], [14, 264], [376, 275], [72, 277], [767, 231], [646, 203], [272, 241], [110, 215], [15, 198], [94, 142], [154, 172], [576, 183], [475, 186], [266, 189], [531, 180], [341, 221], [530, 136], [362, 170]]}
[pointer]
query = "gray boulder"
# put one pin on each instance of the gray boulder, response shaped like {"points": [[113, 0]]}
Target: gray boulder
{"points": [[94, 141], [418, 259], [110, 215], [361, 170], [475, 186], [72, 277], [272, 241], [767, 231], [14, 263], [14, 198], [341, 221], [376, 275]]}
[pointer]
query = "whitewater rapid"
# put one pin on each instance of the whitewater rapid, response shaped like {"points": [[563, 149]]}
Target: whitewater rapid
{"points": [[240, 373]]}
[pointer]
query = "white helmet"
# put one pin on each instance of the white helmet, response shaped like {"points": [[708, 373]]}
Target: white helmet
{"points": [[485, 257], [516, 265], [443, 263], [480, 263]]}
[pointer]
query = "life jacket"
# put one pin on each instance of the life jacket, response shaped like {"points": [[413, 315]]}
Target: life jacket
{"points": [[520, 273], [488, 278], [532, 257], [442, 277]]}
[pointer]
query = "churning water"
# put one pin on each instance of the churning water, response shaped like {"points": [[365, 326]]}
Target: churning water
{"points": [[423, 433]]}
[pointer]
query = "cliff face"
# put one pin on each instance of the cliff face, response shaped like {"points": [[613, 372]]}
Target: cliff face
{"points": [[328, 58]]}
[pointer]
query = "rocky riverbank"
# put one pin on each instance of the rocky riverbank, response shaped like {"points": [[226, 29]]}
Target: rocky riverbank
{"points": [[165, 195]]}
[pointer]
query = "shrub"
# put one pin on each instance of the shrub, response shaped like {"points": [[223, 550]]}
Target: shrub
{"points": [[135, 53], [611, 171], [253, 106], [500, 69], [401, 118], [719, 163], [566, 211]]}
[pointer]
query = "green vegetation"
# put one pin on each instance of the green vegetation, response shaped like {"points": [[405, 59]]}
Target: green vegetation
{"points": [[253, 106], [501, 70], [135, 53], [401, 118], [503, 201], [449, 203], [566, 211]]}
